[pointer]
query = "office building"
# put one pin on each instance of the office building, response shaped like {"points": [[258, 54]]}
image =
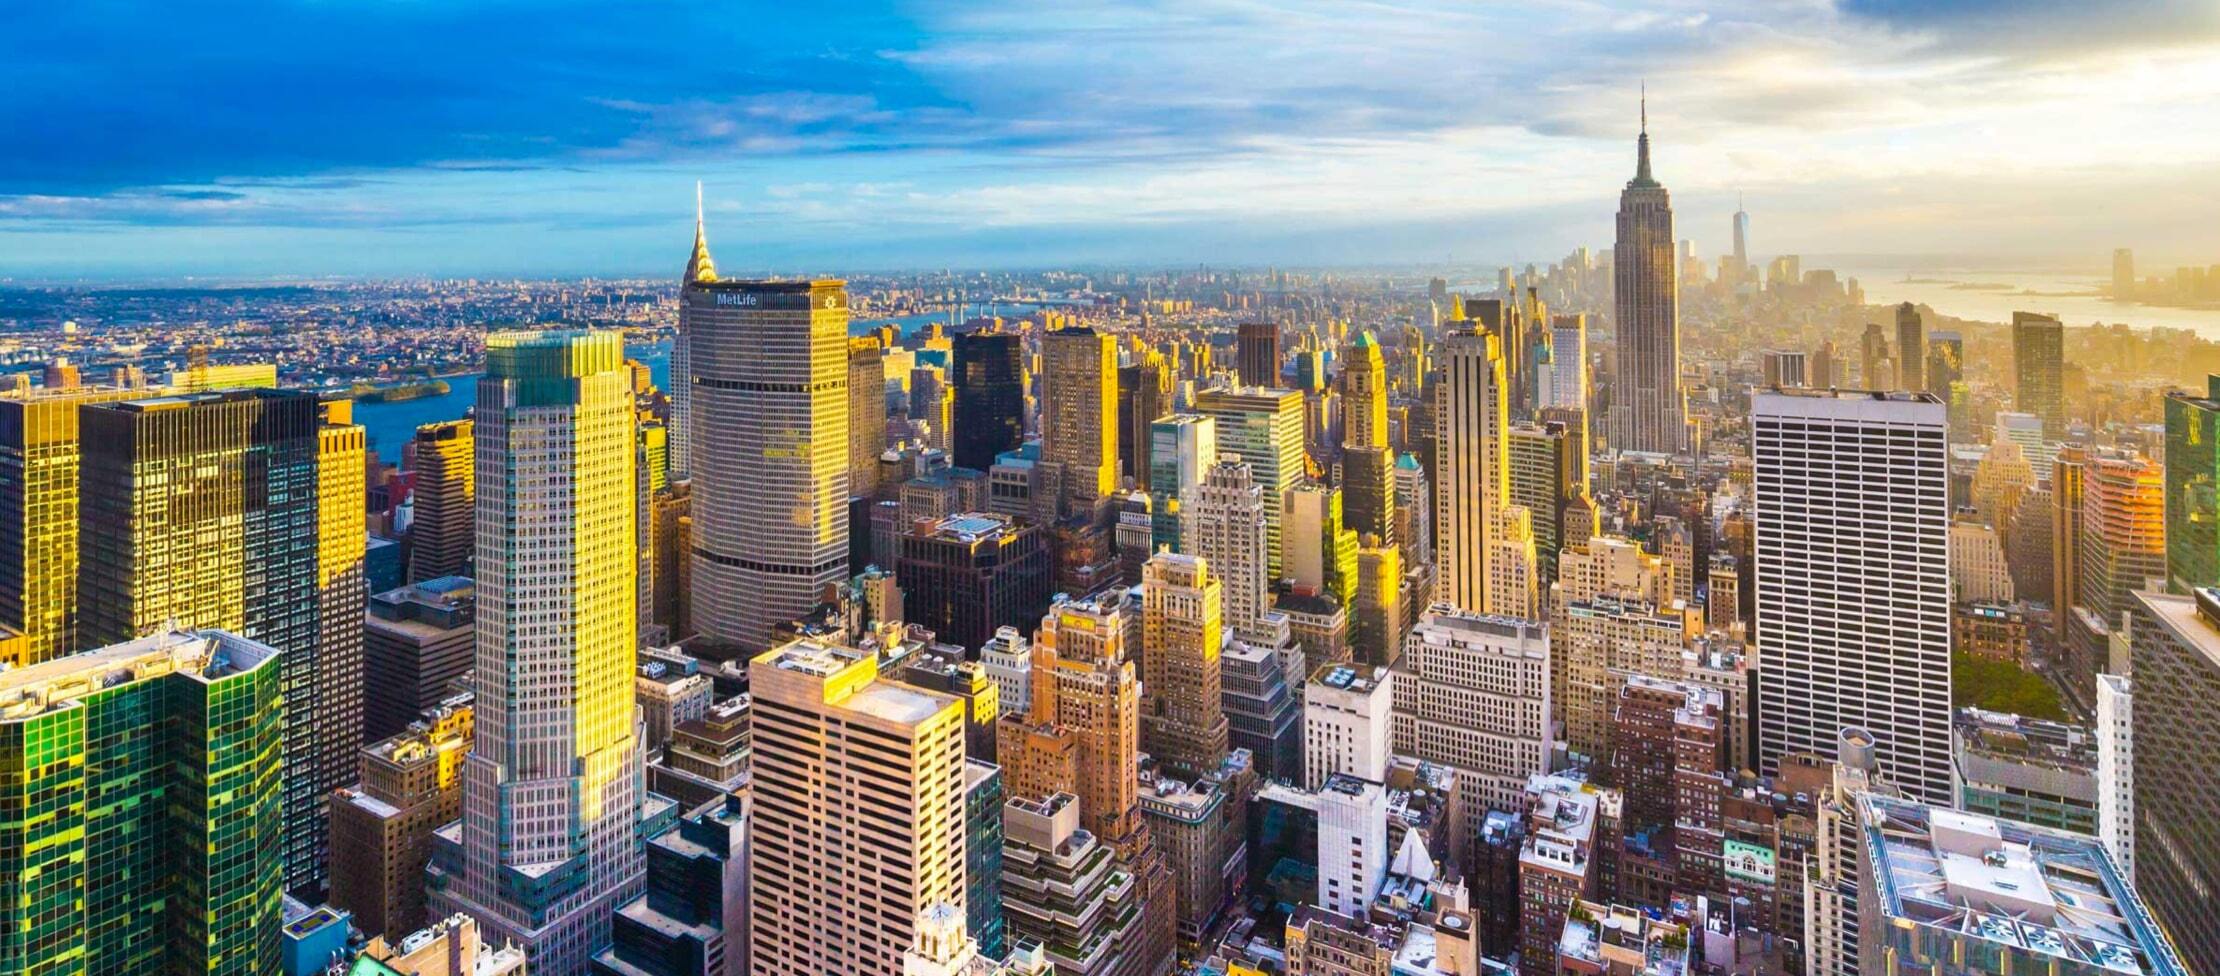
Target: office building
{"points": [[408, 786], [708, 756], [1063, 890], [866, 415], [1197, 826], [2038, 364], [1784, 368], [1263, 715], [2115, 734], [1567, 384], [2176, 647], [1183, 718], [1472, 421], [1953, 892], [670, 689], [1472, 692], [1853, 578], [144, 825], [1596, 644], [990, 397], [418, 642], [449, 947], [39, 459], [1079, 395], [1352, 843], [2192, 530], [443, 535], [1911, 347], [2026, 770], [693, 918], [967, 575], [858, 820], [342, 589], [1649, 411], [1376, 615], [1144, 395], [770, 415], [1226, 522], [1257, 358], [1264, 427], [1347, 723], [984, 799], [204, 510], [1317, 551], [1184, 446], [551, 788], [2122, 547]]}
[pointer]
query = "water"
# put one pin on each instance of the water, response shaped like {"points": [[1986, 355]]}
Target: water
{"points": [[390, 425], [2074, 298]]}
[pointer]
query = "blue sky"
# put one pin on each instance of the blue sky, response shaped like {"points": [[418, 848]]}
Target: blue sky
{"points": [[494, 138]]}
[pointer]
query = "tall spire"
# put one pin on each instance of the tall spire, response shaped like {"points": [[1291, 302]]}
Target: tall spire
{"points": [[699, 268], [1642, 145]]}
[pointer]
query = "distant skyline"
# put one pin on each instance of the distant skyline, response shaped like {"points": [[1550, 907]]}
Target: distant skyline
{"points": [[563, 138]]}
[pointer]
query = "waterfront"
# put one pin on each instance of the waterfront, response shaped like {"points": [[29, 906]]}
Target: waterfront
{"points": [[2077, 299]]}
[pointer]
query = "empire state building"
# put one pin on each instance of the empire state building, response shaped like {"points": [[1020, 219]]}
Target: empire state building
{"points": [[1648, 410]]}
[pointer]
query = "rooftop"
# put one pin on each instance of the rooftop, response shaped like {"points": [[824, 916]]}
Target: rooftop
{"points": [[2041, 892], [207, 655]]}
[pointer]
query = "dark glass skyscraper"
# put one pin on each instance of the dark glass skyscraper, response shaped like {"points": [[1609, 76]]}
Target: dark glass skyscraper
{"points": [[201, 510], [990, 397], [2039, 363], [1258, 354], [1648, 411], [2193, 488]]}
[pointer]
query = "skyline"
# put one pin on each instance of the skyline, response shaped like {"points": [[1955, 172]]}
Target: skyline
{"points": [[393, 140]]}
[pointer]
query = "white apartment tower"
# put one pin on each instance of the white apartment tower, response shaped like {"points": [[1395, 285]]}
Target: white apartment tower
{"points": [[1853, 578], [551, 791], [2116, 770]]}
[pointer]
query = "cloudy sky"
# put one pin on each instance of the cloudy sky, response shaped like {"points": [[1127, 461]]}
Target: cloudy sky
{"points": [[351, 137]]}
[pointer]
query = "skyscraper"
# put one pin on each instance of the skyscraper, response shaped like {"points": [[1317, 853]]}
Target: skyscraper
{"points": [[550, 830], [1568, 362], [442, 537], [1185, 446], [1079, 435], [2123, 546], [990, 396], [1367, 463], [1911, 348], [770, 503], [866, 416], [1853, 578], [202, 510], [1143, 396], [967, 575], [2039, 362], [2176, 746], [700, 270], [1648, 410], [143, 817], [1472, 691], [2193, 488], [2123, 274], [1264, 427], [859, 811], [1257, 360], [342, 592], [1741, 237], [39, 456], [1224, 522], [1473, 483], [1183, 716]]}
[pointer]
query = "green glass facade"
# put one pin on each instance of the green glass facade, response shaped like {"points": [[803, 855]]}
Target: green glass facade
{"points": [[2193, 489], [139, 810]]}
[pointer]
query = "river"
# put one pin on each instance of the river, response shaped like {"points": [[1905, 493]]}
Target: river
{"points": [[389, 425]]}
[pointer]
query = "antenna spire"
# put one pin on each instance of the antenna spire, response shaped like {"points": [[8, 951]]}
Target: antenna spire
{"points": [[1645, 113], [699, 267], [1642, 145]]}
